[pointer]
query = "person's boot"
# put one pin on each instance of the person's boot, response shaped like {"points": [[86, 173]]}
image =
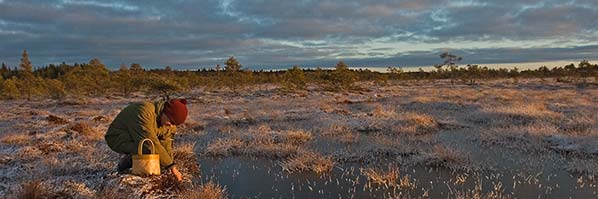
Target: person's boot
{"points": [[126, 162]]}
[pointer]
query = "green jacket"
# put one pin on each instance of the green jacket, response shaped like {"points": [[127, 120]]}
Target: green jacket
{"points": [[136, 122]]}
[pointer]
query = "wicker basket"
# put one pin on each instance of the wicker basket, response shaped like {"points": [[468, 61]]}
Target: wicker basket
{"points": [[146, 164]]}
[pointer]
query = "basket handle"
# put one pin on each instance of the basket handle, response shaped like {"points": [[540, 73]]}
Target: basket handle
{"points": [[139, 149]]}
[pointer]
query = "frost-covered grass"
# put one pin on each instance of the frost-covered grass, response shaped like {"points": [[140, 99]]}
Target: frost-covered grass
{"points": [[433, 125]]}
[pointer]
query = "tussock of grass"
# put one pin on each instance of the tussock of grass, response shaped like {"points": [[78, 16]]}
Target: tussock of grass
{"points": [[384, 178], [384, 111], [33, 190], [583, 166], [297, 137], [17, 139], [443, 156], [259, 142], [341, 133], [50, 147], [208, 190], [56, 120], [412, 123], [28, 153], [185, 157], [86, 130], [224, 147], [111, 193], [308, 161], [100, 119]]}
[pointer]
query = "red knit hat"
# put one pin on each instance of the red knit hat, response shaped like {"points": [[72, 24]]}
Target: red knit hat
{"points": [[176, 110]]}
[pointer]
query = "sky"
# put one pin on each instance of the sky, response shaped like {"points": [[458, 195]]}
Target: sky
{"points": [[275, 34]]}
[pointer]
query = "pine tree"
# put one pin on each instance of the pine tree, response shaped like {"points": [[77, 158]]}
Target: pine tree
{"points": [[342, 78], [137, 69], [124, 80], [294, 79], [25, 64], [232, 65], [92, 78], [4, 72], [55, 88], [234, 78], [450, 61], [9, 88], [28, 83]]}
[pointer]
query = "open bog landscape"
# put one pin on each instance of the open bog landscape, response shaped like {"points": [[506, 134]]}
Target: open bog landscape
{"points": [[482, 99], [409, 139]]}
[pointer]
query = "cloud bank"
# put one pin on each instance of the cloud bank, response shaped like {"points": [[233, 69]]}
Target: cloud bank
{"points": [[267, 34]]}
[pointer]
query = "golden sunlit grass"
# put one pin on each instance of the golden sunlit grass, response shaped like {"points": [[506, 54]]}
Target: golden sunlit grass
{"points": [[388, 178], [411, 125], [308, 161], [16, 139], [186, 158], [209, 190]]}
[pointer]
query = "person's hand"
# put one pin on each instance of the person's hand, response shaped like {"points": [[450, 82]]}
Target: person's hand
{"points": [[176, 174]]}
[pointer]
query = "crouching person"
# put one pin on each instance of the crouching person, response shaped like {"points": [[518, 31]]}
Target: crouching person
{"points": [[153, 120]]}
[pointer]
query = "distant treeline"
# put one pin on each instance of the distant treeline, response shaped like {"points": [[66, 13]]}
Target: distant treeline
{"points": [[94, 79]]}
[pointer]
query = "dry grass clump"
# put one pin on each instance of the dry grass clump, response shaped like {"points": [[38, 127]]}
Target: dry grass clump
{"points": [[100, 119], [166, 184], [227, 129], [224, 147], [208, 190], [50, 147], [412, 123], [517, 114], [478, 193], [185, 157], [581, 124], [260, 142], [449, 155], [85, 130], [341, 133], [274, 151], [56, 120], [28, 153], [335, 130], [583, 166], [37, 189], [17, 139], [443, 156], [33, 190], [326, 107], [384, 111], [308, 161], [384, 178], [528, 137], [297, 137], [111, 193]]}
